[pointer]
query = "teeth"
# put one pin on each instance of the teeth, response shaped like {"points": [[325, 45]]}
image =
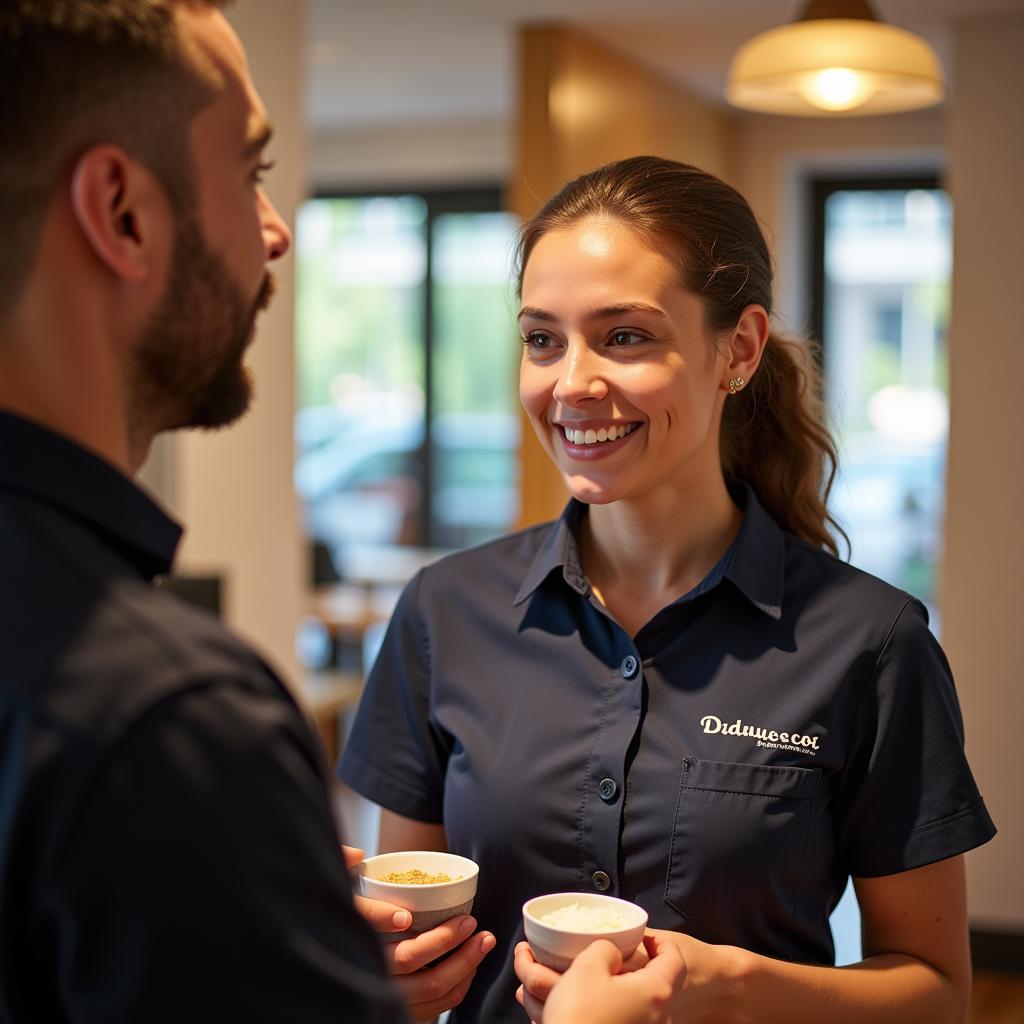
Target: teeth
{"points": [[596, 436]]}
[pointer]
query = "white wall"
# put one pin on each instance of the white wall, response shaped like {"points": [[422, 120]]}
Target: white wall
{"points": [[420, 153], [983, 573], [775, 155]]}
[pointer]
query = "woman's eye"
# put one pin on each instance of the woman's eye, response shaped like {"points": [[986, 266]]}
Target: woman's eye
{"points": [[621, 339], [538, 340]]}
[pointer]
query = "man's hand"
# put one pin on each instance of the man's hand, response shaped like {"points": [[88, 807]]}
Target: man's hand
{"points": [[428, 991], [597, 988], [384, 917]]}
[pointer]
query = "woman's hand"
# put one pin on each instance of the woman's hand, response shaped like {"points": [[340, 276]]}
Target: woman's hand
{"points": [[599, 988], [710, 989], [428, 992]]}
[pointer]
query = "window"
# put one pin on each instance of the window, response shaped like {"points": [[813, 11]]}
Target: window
{"points": [[882, 265], [406, 429]]}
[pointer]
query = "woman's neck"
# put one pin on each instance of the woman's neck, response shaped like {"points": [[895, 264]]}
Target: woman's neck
{"points": [[640, 555]]}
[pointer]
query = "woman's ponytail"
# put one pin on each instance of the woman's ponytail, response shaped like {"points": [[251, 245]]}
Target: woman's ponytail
{"points": [[775, 439]]}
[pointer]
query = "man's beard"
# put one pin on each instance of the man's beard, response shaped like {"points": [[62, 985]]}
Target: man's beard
{"points": [[188, 368]]}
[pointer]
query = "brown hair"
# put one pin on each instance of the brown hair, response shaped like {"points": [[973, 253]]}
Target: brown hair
{"points": [[75, 73], [773, 433]]}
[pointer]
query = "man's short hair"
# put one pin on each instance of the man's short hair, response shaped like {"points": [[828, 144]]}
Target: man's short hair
{"points": [[76, 73]]}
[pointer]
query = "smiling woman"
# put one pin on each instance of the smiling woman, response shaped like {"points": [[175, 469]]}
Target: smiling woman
{"points": [[676, 694], [640, 370]]}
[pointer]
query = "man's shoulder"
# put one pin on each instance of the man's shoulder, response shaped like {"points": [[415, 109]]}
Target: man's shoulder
{"points": [[87, 649], [143, 645]]}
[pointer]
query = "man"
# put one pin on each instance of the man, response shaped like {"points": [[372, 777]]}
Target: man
{"points": [[166, 846], [167, 851]]}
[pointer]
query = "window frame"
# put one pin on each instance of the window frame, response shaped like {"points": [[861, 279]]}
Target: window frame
{"points": [[819, 189], [479, 198]]}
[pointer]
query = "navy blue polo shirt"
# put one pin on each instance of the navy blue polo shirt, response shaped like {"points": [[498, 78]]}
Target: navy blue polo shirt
{"points": [[787, 724], [167, 849]]}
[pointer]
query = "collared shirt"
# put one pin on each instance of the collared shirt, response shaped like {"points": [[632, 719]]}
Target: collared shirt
{"points": [[167, 850], [787, 724]]}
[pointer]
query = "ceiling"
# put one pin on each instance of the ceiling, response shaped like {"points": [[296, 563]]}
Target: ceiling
{"points": [[389, 62]]}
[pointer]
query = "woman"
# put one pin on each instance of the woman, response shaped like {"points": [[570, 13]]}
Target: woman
{"points": [[677, 693]]}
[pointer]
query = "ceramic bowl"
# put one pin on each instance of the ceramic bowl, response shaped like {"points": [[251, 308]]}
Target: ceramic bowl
{"points": [[429, 904], [557, 947]]}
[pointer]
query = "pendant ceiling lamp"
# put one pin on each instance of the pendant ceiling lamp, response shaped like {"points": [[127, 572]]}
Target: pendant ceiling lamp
{"points": [[836, 58]]}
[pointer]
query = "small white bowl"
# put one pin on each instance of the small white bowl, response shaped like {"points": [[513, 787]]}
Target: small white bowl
{"points": [[557, 947], [430, 904]]}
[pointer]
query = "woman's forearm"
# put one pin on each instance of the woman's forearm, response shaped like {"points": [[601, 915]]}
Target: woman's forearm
{"points": [[892, 987]]}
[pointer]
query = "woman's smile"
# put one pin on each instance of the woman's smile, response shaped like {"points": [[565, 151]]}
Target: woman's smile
{"points": [[593, 440]]}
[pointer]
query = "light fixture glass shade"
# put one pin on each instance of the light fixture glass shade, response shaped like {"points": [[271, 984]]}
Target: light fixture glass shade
{"points": [[830, 66]]}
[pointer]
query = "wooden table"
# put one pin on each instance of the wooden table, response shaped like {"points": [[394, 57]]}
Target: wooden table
{"points": [[328, 697]]}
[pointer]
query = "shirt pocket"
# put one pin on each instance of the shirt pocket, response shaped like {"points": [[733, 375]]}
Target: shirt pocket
{"points": [[738, 839]]}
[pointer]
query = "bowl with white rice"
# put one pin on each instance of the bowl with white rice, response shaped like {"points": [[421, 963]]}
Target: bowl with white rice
{"points": [[562, 924]]}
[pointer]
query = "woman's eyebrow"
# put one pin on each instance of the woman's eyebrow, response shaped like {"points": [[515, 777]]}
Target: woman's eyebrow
{"points": [[604, 313]]}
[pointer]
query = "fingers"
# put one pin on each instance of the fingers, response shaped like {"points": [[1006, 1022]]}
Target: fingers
{"points": [[598, 988], [601, 957], [537, 979], [438, 988], [521, 1000], [666, 958], [353, 855], [410, 955], [384, 917], [430, 1011], [534, 1007], [638, 959]]}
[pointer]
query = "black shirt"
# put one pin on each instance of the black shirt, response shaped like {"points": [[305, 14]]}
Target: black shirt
{"points": [[167, 850], [787, 724]]}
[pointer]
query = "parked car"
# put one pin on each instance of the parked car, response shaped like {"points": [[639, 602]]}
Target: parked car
{"points": [[361, 481]]}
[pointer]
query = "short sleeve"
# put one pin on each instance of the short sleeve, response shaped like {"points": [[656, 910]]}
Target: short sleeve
{"points": [[203, 880], [395, 755], [908, 797]]}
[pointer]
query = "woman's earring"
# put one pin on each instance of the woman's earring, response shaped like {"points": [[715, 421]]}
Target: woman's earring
{"points": [[736, 384]]}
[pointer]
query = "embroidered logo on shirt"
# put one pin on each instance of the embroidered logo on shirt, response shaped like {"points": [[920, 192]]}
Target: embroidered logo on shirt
{"points": [[772, 738]]}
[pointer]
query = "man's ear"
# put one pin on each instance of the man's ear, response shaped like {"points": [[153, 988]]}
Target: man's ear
{"points": [[746, 345], [121, 209]]}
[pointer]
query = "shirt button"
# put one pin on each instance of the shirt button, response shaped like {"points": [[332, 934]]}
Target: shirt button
{"points": [[629, 667], [608, 788], [601, 881]]}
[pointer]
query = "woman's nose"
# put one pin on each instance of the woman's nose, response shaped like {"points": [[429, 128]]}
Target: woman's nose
{"points": [[580, 378]]}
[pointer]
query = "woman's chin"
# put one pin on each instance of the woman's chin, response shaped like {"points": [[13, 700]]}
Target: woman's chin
{"points": [[589, 491]]}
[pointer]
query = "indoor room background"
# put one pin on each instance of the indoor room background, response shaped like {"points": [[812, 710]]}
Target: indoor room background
{"points": [[410, 139]]}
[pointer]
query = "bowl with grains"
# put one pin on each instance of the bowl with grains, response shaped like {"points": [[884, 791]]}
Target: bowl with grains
{"points": [[432, 886], [561, 925]]}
